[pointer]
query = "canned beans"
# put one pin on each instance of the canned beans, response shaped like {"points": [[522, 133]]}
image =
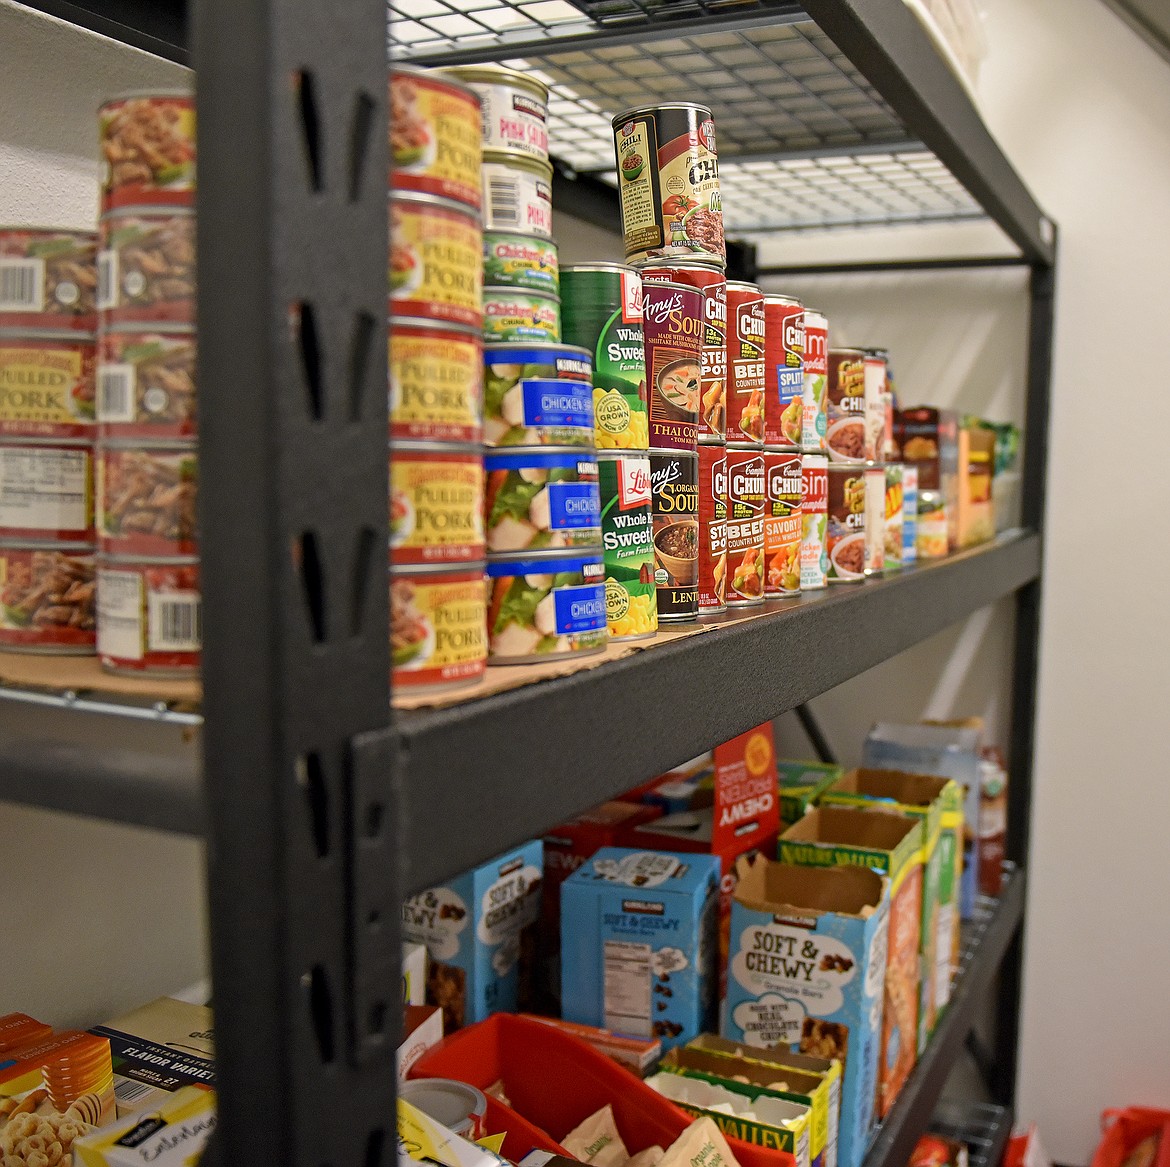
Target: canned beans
{"points": [[436, 504], [783, 372], [672, 323], [515, 110], [537, 500], [150, 616], [146, 499], [48, 278], [745, 364], [436, 382], [783, 521], [146, 382], [745, 526], [712, 529], [814, 519], [46, 490], [627, 533], [675, 505], [148, 149], [438, 636], [46, 385], [48, 598]]}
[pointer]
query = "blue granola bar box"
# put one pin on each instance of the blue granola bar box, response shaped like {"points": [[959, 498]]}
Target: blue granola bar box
{"points": [[807, 973], [639, 945]]}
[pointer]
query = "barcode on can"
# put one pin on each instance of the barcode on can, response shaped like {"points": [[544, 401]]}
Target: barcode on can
{"points": [[107, 273], [115, 393], [503, 202], [22, 285], [174, 622]]}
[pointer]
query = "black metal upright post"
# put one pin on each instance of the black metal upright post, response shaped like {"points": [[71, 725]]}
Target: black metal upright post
{"points": [[292, 381]]}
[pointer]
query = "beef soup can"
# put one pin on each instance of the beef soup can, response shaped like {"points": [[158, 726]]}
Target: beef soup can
{"points": [[627, 534], [48, 278], [672, 324], [48, 598], [783, 521], [46, 490], [46, 384], [814, 520], [149, 615], [674, 482], [537, 394], [513, 259], [146, 498], [877, 399], [146, 267], [436, 504], [517, 195], [540, 500], [146, 382], [783, 372], [147, 143], [895, 516], [745, 364], [846, 542], [436, 381], [875, 519], [712, 529], [513, 316], [514, 110], [438, 631], [745, 526], [668, 183], [845, 406], [814, 420]]}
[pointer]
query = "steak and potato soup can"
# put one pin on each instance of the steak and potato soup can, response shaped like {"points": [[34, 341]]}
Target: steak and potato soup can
{"points": [[745, 526], [674, 485], [147, 143], [712, 529], [436, 504], [745, 364], [438, 632], [783, 521], [146, 267], [149, 615], [540, 500], [537, 394], [46, 490], [783, 372], [672, 324], [845, 406], [514, 109], [517, 195], [816, 382], [845, 541], [627, 533], [146, 382], [48, 598], [46, 384], [668, 183], [513, 259], [514, 316], [436, 382], [814, 521], [146, 498], [48, 278]]}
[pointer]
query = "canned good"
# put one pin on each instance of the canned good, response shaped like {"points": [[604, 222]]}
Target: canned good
{"points": [[438, 633], [933, 541], [515, 109], [149, 615], [537, 500], [544, 605], [48, 601], [668, 183], [46, 490], [436, 382], [517, 195], [48, 278], [895, 517], [146, 267], [512, 259], [46, 384], [846, 538], [745, 363], [601, 310], [909, 513], [537, 395], [513, 316], [875, 519], [745, 526], [146, 499], [674, 484], [783, 372], [814, 522], [713, 352], [885, 447], [459, 1107], [845, 406], [148, 149], [877, 399], [436, 504], [672, 323], [146, 382], [627, 533], [816, 379], [712, 529], [436, 260], [783, 521], [435, 143]]}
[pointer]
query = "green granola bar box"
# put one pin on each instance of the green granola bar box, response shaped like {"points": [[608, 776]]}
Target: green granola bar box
{"points": [[801, 784]]}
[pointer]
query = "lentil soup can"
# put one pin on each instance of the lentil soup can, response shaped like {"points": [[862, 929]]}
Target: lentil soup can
{"points": [[46, 490], [672, 324], [540, 500], [436, 504], [674, 483], [816, 381], [783, 521], [895, 516], [436, 382], [875, 519], [148, 150], [545, 605], [515, 109], [712, 529], [149, 615], [814, 557], [146, 267], [745, 364], [146, 382], [745, 526], [46, 385], [845, 540], [513, 316], [435, 145], [537, 395], [783, 372], [48, 278], [146, 499], [909, 513], [845, 406], [627, 534], [48, 598], [876, 401], [517, 195], [512, 259], [601, 310], [438, 633]]}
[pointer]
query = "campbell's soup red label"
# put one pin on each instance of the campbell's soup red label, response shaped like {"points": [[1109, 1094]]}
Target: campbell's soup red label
{"points": [[745, 364], [712, 528], [783, 372], [814, 559], [672, 324], [814, 421], [745, 526], [783, 521]]}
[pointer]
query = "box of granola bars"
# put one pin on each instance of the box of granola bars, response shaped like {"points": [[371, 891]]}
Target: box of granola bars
{"points": [[801, 784]]}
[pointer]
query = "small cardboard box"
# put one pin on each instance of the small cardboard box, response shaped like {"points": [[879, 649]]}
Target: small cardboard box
{"points": [[480, 934], [414, 974], [422, 1027], [638, 943], [172, 1133], [801, 784], [807, 971]]}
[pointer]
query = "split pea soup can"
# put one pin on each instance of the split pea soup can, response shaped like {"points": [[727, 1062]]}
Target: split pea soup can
{"points": [[783, 521], [814, 518], [712, 528], [675, 501], [601, 311], [627, 535], [745, 526], [783, 372], [672, 323]]}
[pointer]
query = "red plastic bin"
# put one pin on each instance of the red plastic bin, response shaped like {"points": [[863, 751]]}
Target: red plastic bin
{"points": [[554, 1081]]}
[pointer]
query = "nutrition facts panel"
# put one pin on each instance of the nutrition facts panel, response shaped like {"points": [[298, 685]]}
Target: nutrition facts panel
{"points": [[627, 987]]}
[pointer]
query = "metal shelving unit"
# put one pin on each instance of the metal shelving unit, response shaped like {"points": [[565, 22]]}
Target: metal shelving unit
{"points": [[319, 815]]}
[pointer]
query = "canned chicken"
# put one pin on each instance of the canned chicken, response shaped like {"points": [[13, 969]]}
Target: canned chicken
{"points": [[909, 513], [514, 316], [436, 382], [845, 406], [146, 382], [745, 364], [876, 401], [438, 636], [815, 384], [672, 323], [674, 483], [895, 517], [537, 395], [538, 500], [149, 615], [515, 109], [512, 259], [545, 605], [783, 521], [434, 135], [47, 598], [745, 526], [517, 195], [146, 499], [436, 260], [783, 372], [48, 278], [875, 519], [436, 504], [46, 490], [148, 150], [46, 384], [627, 532], [146, 267], [846, 541], [814, 521], [712, 529], [669, 183]]}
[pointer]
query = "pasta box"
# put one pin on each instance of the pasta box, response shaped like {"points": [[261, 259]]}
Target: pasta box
{"points": [[807, 973], [801, 784]]}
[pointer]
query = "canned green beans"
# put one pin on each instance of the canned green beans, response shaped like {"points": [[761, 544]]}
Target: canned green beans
{"points": [[631, 604]]}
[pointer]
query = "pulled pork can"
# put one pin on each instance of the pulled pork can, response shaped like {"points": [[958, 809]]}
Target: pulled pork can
{"points": [[783, 372], [845, 540], [438, 633], [436, 260], [672, 323], [627, 536], [48, 598], [814, 520], [46, 385], [816, 382], [149, 615], [48, 278], [877, 400], [515, 109], [537, 395], [147, 143], [540, 500], [875, 519], [783, 521], [845, 406], [601, 310], [745, 525], [668, 183], [146, 382], [712, 529], [895, 516], [436, 382], [513, 316], [674, 480], [745, 364], [146, 499], [436, 504], [46, 490], [146, 267], [517, 195], [513, 259]]}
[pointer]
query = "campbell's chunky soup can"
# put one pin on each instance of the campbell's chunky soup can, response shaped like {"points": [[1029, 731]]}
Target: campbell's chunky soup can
{"points": [[48, 278], [515, 110], [146, 382], [783, 372], [537, 394], [436, 260], [895, 517], [712, 529], [147, 143], [513, 316], [545, 604], [845, 541], [146, 499], [540, 500], [149, 615], [875, 519], [672, 323], [435, 143], [845, 406], [46, 490], [48, 598], [745, 364], [674, 476], [436, 504], [814, 419], [438, 630], [517, 195], [745, 526], [601, 310], [627, 533], [46, 384], [436, 382], [668, 183], [146, 267], [877, 400], [783, 521], [814, 521], [909, 513], [513, 259]]}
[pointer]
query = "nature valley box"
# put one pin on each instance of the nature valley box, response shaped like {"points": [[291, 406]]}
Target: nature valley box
{"points": [[808, 964], [801, 784]]}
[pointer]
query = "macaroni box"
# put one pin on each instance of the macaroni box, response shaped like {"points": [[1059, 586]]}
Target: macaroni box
{"points": [[801, 784], [480, 933], [638, 943], [807, 971]]}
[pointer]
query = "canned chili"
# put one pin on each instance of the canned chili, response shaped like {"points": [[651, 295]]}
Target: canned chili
{"points": [[146, 382], [436, 504], [845, 406], [438, 633], [745, 364], [672, 323], [538, 500], [909, 513], [895, 516], [517, 195], [512, 259], [515, 109], [816, 379], [712, 528], [48, 278], [146, 498], [745, 525], [783, 372], [783, 521], [46, 490], [436, 382], [48, 600], [876, 401], [846, 542], [149, 615], [146, 267], [46, 384], [674, 476], [814, 520], [627, 534], [875, 519], [514, 316], [148, 149]]}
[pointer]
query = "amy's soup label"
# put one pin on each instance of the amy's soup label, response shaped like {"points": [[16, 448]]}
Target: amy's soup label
{"points": [[627, 535], [674, 490], [673, 326]]}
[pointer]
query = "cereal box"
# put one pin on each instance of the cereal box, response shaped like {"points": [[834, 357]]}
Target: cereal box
{"points": [[807, 972], [801, 784], [638, 943], [480, 932], [170, 1134]]}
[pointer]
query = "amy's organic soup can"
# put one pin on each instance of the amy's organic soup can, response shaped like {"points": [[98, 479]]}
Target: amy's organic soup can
{"points": [[146, 266], [438, 634], [540, 500], [783, 521], [146, 498], [46, 384], [816, 382], [668, 183], [909, 513], [674, 484], [515, 109], [783, 372], [537, 395], [875, 519], [712, 528], [627, 533], [845, 541], [48, 278], [46, 490], [517, 195], [745, 364], [545, 604], [876, 400], [48, 598], [745, 526], [814, 518], [146, 382], [436, 382], [147, 145], [513, 316], [436, 504], [436, 260], [895, 516], [512, 259], [845, 406], [149, 615], [672, 324]]}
